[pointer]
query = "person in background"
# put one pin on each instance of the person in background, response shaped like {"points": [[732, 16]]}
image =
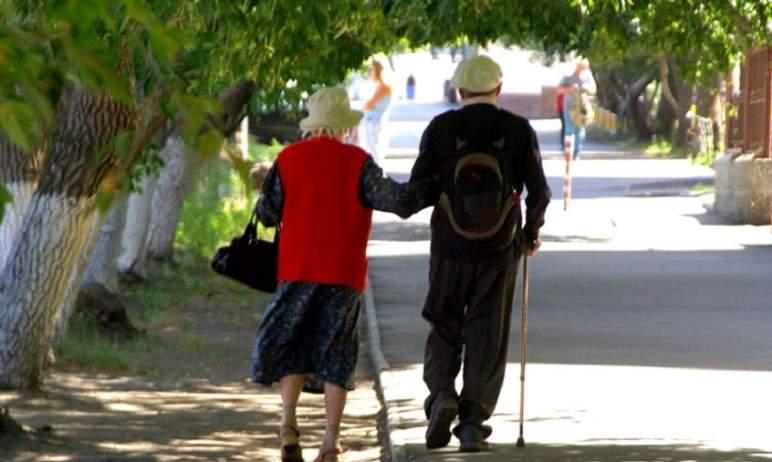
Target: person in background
{"points": [[375, 108], [559, 97], [410, 87], [321, 192], [570, 87]]}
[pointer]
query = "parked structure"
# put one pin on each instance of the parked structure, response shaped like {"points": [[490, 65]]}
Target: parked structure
{"points": [[744, 171]]}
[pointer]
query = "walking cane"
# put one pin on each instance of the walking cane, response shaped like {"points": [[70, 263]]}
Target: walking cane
{"points": [[523, 338]]}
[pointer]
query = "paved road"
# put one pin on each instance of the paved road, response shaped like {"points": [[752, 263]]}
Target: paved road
{"points": [[407, 121], [648, 326]]}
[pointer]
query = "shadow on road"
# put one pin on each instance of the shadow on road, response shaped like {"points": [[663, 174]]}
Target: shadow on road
{"points": [[693, 309], [620, 452]]}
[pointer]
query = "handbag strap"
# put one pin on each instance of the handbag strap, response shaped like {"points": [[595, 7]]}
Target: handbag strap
{"points": [[254, 222]]}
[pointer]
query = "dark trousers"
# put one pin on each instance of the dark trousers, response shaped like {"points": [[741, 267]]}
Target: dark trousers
{"points": [[469, 306]]}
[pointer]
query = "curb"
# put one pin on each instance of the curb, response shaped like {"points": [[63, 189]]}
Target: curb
{"points": [[383, 379]]}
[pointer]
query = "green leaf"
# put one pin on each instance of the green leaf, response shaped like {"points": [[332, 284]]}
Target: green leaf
{"points": [[208, 143], [164, 45], [5, 198], [12, 127], [104, 200]]}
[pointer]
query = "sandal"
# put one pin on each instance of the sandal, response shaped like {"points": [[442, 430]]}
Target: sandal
{"points": [[330, 456], [289, 441]]}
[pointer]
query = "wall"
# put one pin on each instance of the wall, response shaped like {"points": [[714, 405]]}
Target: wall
{"points": [[744, 188]]}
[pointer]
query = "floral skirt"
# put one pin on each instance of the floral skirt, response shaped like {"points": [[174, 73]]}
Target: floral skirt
{"points": [[309, 329]]}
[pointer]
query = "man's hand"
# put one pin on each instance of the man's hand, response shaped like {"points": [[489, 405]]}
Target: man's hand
{"points": [[531, 248]]}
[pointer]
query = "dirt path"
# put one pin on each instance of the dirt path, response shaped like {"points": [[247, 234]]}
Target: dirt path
{"points": [[195, 404]]}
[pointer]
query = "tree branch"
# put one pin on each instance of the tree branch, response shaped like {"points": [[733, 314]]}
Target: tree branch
{"points": [[233, 101], [637, 87]]}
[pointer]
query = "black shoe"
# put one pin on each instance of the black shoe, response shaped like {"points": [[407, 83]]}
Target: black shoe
{"points": [[442, 414], [471, 437]]}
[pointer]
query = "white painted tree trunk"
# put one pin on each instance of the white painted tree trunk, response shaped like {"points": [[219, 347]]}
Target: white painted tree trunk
{"points": [[34, 283], [102, 268], [177, 176], [131, 261], [44, 256], [76, 278], [173, 186], [21, 193], [97, 262], [19, 173]]}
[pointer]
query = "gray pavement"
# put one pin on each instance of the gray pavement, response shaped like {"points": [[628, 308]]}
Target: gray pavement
{"points": [[648, 324], [407, 121]]}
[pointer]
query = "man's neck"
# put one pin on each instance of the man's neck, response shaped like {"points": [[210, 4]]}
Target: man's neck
{"points": [[484, 99]]}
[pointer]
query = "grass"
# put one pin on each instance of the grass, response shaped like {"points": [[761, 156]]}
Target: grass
{"points": [[170, 305], [660, 148], [84, 349], [168, 308]]}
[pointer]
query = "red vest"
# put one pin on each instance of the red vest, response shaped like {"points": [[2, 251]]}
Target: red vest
{"points": [[325, 228]]}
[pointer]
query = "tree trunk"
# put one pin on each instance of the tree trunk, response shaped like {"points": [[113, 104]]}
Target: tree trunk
{"points": [[131, 262], [174, 183], [98, 296], [177, 176], [664, 78], [33, 283], [681, 101], [685, 95], [76, 278], [19, 174], [638, 109], [102, 267], [665, 119]]}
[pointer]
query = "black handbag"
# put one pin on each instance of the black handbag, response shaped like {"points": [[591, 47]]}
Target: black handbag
{"points": [[249, 259]]}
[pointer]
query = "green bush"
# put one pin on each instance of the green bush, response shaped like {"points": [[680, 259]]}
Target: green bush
{"points": [[262, 152], [220, 205]]}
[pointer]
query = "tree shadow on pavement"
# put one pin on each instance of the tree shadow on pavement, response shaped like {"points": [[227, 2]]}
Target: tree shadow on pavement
{"points": [[199, 407], [89, 420], [591, 453]]}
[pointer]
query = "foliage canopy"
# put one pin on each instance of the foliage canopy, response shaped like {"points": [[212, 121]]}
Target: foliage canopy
{"points": [[182, 53]]}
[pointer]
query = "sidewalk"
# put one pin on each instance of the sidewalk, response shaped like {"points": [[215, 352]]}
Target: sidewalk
{"points": [[648, 326]]}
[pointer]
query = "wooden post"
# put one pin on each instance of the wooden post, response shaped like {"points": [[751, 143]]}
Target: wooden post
{"points": [[768, 96]]}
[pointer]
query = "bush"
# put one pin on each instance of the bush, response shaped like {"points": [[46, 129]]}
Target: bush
{"points": [[262, 152], [220, 205]]}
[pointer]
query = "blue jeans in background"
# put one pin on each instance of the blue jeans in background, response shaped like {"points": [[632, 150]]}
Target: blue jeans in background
{"points": [[573, 131]]}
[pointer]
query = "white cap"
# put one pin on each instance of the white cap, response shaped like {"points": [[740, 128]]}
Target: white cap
{"points": [[477, 74], [329, 108]]}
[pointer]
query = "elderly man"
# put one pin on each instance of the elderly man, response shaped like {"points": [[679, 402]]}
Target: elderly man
{"points": [[485, 157]]}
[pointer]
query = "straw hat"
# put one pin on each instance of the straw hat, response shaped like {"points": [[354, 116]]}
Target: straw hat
{"points": [[329, 108], [479, 74]]}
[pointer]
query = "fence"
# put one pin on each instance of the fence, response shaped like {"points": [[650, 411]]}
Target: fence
{"points": [[701, 138], [751, 129]]}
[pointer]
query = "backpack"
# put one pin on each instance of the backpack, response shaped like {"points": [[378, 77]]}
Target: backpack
{"points": [[582, 113], [477, 193]]}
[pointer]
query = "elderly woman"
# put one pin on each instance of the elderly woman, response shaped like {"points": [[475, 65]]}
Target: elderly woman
{"points": [[321, 192]]}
